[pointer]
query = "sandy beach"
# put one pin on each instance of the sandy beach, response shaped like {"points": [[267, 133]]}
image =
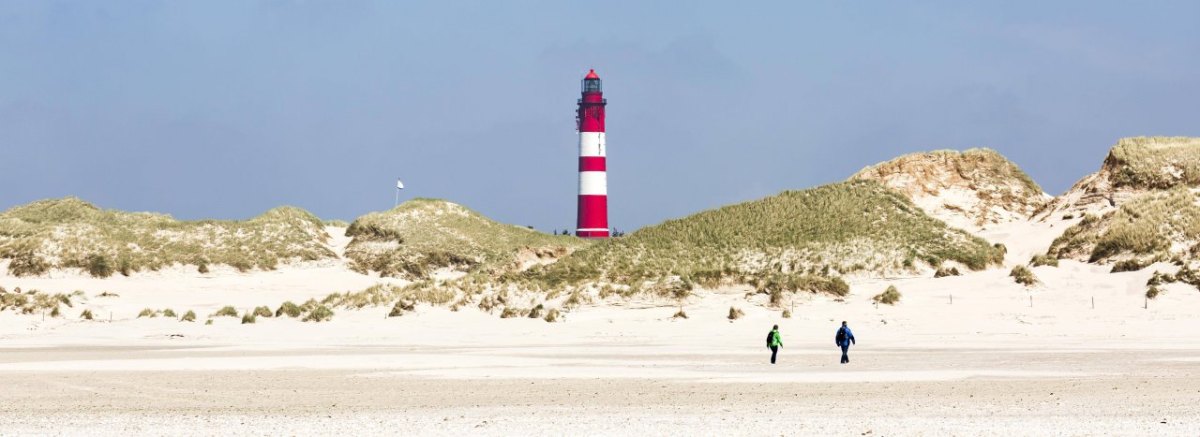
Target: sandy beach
{"points": [[1082, 353]]}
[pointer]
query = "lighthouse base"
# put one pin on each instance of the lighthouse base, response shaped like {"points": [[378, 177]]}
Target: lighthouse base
{"points": [[592, 233]]}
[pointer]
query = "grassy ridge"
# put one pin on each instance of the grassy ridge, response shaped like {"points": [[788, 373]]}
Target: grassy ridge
{"points": [[68, 232], [857, 226], [984, 168], [1155, 162], [998, 189], [421, 235], [1152, 226]]}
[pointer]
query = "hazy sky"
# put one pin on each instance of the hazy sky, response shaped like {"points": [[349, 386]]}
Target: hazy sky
{"points": [[226, 109]]}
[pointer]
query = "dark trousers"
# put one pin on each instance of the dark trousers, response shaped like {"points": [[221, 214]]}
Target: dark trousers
{"points": [[774, 351], [845, 352]]}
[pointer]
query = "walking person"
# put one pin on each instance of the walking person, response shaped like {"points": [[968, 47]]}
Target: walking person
{"points": [[844, 338], [774, 342]]}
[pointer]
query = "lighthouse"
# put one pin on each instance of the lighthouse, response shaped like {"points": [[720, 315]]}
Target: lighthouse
{"points": [[592, 218]]}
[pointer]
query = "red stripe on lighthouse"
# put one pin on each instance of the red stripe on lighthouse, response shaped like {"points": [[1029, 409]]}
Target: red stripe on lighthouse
{"points": [[593, 216], [591, 163]]}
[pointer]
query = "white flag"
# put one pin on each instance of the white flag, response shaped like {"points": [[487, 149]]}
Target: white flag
{"points": [[399, 185]]}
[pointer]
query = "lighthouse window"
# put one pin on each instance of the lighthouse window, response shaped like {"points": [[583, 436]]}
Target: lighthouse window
{"points": [[591, 85]]}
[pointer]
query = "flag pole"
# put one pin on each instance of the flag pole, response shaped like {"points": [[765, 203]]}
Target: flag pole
{"points": [[399, 186]]}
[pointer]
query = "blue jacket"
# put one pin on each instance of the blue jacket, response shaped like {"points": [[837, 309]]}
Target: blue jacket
{"points": [[845, 341]]}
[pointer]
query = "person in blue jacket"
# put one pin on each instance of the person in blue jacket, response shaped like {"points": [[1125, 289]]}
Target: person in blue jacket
{"points": [[844, 338]]}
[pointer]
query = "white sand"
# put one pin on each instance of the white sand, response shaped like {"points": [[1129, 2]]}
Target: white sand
{"points": [[987, 363]]}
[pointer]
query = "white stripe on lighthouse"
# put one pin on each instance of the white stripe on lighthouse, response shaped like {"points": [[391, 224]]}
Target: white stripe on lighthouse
{"points": [[593, 183], [591, 144]]}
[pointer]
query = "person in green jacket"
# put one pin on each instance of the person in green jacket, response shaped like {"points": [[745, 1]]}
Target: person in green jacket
{"points": [[774, 342]]}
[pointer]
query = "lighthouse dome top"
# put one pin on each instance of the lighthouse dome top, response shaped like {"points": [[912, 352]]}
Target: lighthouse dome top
{"points": [[592, 74]]}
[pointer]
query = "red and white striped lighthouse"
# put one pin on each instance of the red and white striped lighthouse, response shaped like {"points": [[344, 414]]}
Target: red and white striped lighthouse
{"points": [[592, 221]]}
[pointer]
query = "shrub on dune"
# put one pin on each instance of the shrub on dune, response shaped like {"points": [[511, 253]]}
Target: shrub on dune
{"points": [[227, 311], [735, 313], [189, 316], [1043, 260], [1022, 275], [890, 296], [321, 313], [289, 309]]}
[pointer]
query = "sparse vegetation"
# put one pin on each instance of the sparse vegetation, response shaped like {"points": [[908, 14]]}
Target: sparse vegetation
{"points": [[169, 313], [787, 314], [1152, 291], [249, 318], [189, 316], [289, 309], [681, 314], [510, 312], [735, 313], [890, 296], [1043, 260], [1127, 265], [1001, 188], [320, 313], [1143, 229], [227, 311], [86, 315], [263, 312], [422, 235], [1023, 276], [147, 313], [402, 306], [552, 315], [536, 312], [944, 272], [71, 233]]}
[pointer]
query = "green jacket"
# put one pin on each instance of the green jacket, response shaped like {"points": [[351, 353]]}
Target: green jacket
{"points": [[776, 339]]}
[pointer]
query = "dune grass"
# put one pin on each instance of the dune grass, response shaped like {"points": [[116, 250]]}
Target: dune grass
{"points": [[422, 235], [735, 313], [34, 301], [1155, 162], [227, 311], [1154, 226], [289, 309], [189, 316], [890, 296], [805, 238], [1043, 260], [997, 182], [320, 313], [71, 233], [1022, 275], [942, 272]]}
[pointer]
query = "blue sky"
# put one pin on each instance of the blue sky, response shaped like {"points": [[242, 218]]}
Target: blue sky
{"points": [[228, 108]]}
